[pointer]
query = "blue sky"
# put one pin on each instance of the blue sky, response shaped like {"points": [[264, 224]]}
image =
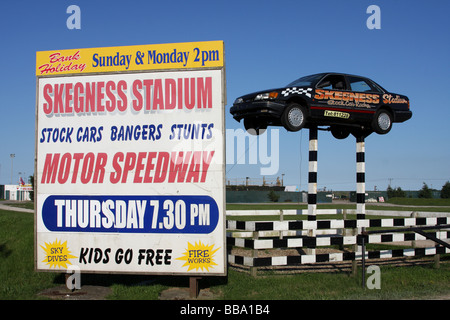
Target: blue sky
{"points": [[267, 45]]}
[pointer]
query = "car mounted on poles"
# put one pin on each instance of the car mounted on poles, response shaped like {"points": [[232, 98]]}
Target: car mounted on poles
{"points": [[345, 103]]}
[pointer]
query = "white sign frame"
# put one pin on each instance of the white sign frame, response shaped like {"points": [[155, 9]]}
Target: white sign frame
{"points": [[103, 220]]}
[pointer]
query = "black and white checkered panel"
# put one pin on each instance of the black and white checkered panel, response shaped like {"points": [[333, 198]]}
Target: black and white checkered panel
{"points": [[296, 90], [332, 257]]}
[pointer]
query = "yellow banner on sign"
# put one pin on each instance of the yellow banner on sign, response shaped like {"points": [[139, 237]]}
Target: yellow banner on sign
{"points": [[209, 54]]}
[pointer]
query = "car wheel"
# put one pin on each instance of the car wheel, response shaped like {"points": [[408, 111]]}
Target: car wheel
{"points": [[293, 117], [382, 122], [339, 132], [254, 127]]}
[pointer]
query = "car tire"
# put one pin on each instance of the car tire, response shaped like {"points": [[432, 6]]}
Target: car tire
{"points": [[293, 117], [254, 127], [382, 122], [339, 132]]}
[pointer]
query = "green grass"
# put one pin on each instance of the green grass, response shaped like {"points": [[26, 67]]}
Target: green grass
{"points": [[398, 204], [18, 280], [420, 202], [396, 283]]}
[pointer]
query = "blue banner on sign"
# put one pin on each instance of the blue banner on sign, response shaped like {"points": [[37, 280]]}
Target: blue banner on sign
{"points": [[131, 214]]}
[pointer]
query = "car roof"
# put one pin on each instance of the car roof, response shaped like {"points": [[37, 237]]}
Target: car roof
{"points": [[341, 74]]}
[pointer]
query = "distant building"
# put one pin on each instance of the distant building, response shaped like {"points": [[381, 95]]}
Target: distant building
{"points": [[16, 192]]}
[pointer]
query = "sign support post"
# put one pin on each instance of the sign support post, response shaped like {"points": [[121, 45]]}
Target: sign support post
{"points": [[312, 182], [194, 287], [360, 178], [312, 174]]}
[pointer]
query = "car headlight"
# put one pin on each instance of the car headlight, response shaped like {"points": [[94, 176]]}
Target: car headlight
{"points": [[266, 96], [262, 96], [238, 100]]}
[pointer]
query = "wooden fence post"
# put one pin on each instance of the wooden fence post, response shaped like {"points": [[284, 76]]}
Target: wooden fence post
{"points": [[253, 269]]}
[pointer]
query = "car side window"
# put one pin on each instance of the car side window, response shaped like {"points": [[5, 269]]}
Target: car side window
{"points": [[361, 85], [334, 82]]}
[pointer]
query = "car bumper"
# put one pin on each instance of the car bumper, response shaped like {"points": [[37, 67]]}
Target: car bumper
{"points": [[401, 116], [257, 109]]}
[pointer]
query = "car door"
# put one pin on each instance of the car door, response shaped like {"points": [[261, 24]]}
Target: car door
{"points": [[364, 97], [330, 105]]}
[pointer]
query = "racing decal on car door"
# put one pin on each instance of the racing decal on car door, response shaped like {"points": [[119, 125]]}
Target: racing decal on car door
{"points": [[296, 90], [347, 98], [389, 98]]}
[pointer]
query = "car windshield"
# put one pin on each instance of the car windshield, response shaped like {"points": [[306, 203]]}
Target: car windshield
{"points": [[305, 81]]}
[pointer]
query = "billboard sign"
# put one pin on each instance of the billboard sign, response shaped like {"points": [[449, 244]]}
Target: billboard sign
{"points": [[130, 159]]}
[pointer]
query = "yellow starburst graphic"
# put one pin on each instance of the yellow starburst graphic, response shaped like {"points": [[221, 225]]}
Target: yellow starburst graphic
{"points": [[57, 254], [199, 256]]}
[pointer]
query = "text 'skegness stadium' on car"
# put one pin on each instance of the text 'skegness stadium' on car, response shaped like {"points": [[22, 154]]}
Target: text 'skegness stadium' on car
{"points": [[341, 101]]}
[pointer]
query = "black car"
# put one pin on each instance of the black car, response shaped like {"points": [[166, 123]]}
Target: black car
{"points": [[341, 101]]}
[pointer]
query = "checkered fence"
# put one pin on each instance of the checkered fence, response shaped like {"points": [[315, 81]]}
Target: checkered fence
{"points": [[264, 235]]}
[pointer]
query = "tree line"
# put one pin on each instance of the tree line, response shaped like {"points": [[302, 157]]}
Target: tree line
{"points": [[425, 192]]}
